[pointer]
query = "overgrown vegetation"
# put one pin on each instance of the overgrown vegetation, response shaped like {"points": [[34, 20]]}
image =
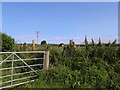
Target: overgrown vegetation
{"points": [[92, 66], [43, 42], [7, 42]]}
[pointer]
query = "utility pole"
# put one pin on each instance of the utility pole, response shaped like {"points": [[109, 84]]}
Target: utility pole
{"points": [[37, 32]]}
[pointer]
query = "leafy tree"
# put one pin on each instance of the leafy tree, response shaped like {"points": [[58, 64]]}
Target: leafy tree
{"points": [[86, 43], [43, 42], [109, 43], [114, 42], [7, 42], [93, 42], [61, 44], [99, 43]]}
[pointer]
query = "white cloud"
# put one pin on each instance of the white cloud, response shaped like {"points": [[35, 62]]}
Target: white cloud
{"points": [[77, 40], [106, 39]]}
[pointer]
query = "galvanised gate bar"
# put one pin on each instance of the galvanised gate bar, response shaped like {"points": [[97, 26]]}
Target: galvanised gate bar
{"points": [[25, 72]]}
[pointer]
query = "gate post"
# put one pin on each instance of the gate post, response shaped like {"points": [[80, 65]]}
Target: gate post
{"points": [[46, 60]]}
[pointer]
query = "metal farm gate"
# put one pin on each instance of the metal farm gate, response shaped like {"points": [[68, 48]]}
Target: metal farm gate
{"points": [[17, 68]]}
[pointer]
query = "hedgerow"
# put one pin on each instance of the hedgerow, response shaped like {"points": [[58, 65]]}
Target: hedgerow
{"points": [[91, 66]]}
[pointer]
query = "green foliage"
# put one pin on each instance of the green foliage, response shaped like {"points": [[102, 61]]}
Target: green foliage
{"points": [[7, 42], [117, 68], [114, 42], [61, 44], [93, 42], [90, 66], [69, 51], [43, 42], [86, 43], [99, 43], [95, 67]]}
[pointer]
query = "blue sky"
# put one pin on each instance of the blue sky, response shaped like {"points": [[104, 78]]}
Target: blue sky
{"points": [[61, 21]]}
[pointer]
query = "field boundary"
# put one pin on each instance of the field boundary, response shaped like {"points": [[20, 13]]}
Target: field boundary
{"points": [[44, 64]]}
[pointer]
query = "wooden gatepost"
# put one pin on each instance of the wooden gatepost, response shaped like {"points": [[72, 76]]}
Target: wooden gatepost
{"points": [[33, 44], [46, 60]]}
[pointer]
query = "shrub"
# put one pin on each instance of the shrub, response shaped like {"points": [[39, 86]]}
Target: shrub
{"points": [[7, 42], [43, 42]]}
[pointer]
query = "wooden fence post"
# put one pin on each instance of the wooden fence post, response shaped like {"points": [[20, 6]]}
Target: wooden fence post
{"points": [[46, 61]]}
